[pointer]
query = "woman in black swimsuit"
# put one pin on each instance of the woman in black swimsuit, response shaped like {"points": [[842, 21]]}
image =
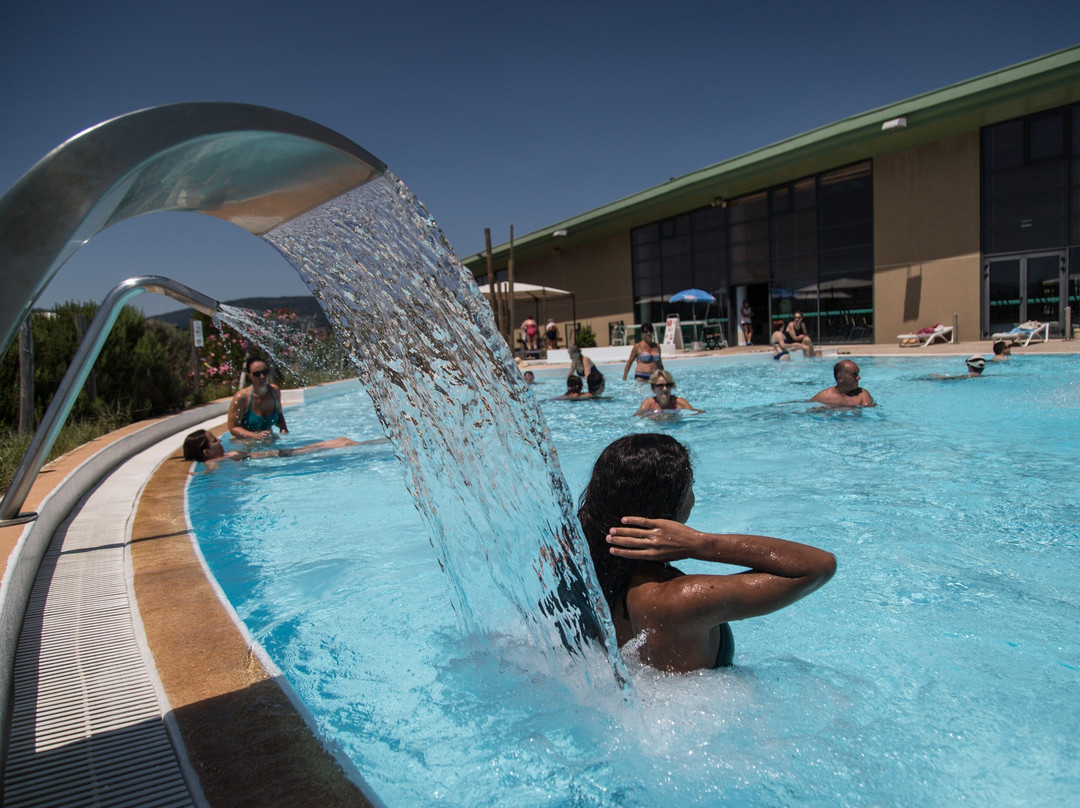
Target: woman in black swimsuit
{"points": [[633, 513]]}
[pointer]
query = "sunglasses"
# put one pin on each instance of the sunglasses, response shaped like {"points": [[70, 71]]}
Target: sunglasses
{"points": [[662, 386], [260, 373]]}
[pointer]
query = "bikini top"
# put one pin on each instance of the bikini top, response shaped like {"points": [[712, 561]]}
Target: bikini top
{"points": [[254, 422], [674, 403], [648, 356]]}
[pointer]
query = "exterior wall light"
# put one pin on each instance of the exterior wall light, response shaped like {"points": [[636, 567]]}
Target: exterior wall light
{"points": [[558, 233], [894, 123]]}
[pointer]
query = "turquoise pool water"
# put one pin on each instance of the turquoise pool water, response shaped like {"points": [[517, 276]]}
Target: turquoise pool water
{"points": [[940, 665]]}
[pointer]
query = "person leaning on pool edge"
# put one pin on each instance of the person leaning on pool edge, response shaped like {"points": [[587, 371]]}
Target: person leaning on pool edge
{"points": [[204, 446], [255, 410], [846, 392], [633, 514]]}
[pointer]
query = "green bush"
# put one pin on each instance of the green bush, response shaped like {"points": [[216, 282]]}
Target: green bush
{"points": [[140, 370], [586, 337]]}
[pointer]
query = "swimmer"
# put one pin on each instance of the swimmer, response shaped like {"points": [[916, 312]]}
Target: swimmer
{"points": [[530, 377], [204, 446], [255, 410], [846, 392], [574, 386], [975, 365], [1002, 351], [633, 513], [662, 383], [646, 352], [582, 366]]}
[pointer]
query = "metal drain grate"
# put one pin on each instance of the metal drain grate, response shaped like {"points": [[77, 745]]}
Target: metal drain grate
{"points": [[87, 726]]}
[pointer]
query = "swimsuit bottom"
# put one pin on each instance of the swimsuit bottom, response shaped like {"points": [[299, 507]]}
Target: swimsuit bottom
{"points": [[781, 355], [726, 653], [642, 376]]}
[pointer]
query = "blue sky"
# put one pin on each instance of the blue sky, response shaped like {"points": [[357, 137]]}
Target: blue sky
{"points": [[493, 113]]}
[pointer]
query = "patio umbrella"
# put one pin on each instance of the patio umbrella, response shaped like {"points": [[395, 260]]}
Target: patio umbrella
{"points": [[534, 292], [693, 297]]}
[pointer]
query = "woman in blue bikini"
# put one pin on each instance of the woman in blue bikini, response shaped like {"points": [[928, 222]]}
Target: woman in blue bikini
{"points": [[256, 409], [633, 514], [646, 353]]}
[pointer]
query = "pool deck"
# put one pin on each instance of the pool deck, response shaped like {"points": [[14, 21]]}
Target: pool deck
{"points": [[227, 731]]}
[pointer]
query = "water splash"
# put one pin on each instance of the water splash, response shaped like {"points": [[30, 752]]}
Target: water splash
{"points": [[479, 459], [307, 358]]}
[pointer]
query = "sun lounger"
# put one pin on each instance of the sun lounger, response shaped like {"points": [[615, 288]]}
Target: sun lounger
{"points": [[927, 336], [1025, 333]]}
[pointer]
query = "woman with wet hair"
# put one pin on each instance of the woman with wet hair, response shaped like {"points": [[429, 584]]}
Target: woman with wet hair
{"points": [[255, 410], [204, 446], [633, 513]]}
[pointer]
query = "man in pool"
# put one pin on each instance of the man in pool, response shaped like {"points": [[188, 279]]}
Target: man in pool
{"points": [[846, 392]]}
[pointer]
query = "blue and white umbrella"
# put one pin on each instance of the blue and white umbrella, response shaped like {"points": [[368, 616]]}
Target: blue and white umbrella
{"points": [[693, 297]]}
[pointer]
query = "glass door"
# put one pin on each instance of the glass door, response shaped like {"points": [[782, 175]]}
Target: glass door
{"points": [[1027, 287]]}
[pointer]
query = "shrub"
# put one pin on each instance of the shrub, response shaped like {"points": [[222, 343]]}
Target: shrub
{"points": [[586, 337]]}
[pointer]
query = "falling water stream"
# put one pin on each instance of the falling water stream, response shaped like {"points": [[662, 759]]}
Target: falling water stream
{"points": [[478, 457]]}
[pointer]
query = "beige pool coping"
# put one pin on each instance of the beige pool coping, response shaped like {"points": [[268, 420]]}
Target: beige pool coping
{"points": [[245, 740]]}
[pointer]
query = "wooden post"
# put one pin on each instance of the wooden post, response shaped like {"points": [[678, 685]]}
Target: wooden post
{"points": [[26, 376], [91, 380], [496, 303], [512, 321]]}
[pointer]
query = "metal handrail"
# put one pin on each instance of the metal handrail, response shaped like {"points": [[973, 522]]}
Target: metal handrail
{"points": [[72, 383]]}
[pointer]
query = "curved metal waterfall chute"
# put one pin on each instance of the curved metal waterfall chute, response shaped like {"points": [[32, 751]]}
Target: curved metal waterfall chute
{"points": [[64, 398], [253, 166]]}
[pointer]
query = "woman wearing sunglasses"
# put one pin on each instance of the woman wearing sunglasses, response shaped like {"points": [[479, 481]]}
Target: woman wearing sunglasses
{"points": [[662, 400], [255, 410]]}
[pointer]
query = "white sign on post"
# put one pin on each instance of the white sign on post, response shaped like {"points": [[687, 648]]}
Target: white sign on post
{"points": [[196, 333], [673, 334]]}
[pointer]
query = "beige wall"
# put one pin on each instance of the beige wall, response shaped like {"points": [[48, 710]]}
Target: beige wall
{"points": [[599, 275], [926, 238]]}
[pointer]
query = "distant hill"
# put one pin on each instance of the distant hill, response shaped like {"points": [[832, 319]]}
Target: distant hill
{"points": [[305, 306]]}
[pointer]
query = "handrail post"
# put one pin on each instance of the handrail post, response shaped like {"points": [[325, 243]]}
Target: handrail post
{"points": [[72, 383]]}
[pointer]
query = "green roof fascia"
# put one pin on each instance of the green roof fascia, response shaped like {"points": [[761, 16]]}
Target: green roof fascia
{"points": [[1041, 83]]}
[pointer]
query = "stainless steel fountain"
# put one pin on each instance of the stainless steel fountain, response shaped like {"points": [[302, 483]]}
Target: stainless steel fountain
{"points": [[252, 166]]}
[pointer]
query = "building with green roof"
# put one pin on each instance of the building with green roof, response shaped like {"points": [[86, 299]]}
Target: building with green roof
{"points": [[960, 205]]}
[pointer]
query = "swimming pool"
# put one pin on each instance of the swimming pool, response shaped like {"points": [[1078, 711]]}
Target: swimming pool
{"points": [[940, 664]]}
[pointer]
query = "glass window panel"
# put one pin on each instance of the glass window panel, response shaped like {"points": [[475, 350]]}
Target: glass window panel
{"points": [[710, 278], [647, 287], [846, 261], [710, 263], [805, 194], [682, 225], [675, 246], [781, 200], [641, 235], [707, 218], [753, 206], [709, 240], [1003, 145], [645, 252], [678, 274], [1047, 137], [757, 272], [647, 269]]}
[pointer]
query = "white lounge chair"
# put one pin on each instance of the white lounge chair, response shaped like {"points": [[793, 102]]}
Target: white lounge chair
{"points": [[1025, 333], [927, 336]]}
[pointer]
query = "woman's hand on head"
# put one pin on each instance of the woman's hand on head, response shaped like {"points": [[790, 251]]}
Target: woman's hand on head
{"points": [[653, 539]]}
